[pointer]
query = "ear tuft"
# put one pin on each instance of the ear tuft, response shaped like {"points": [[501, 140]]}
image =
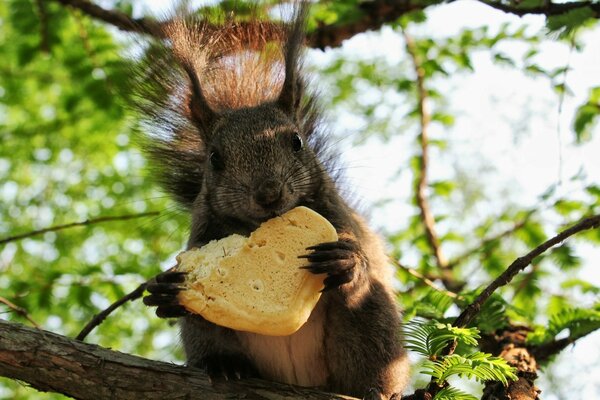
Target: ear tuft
{"points": [[291, 91], [201, 112]]}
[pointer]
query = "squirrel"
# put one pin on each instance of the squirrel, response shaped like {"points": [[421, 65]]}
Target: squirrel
{"points": [[236, 138]]}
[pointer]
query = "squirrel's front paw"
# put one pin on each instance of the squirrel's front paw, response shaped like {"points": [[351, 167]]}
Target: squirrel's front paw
{"points": [[336, 259], [163, 294], [228, 366]]}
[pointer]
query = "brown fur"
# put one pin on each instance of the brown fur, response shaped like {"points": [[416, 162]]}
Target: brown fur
{"points": [[227, 111]]}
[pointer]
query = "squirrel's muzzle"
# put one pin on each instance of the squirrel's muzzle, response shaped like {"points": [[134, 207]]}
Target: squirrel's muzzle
{"points": [[269, 194]]}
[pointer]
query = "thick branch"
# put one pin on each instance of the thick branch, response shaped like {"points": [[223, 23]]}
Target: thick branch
{"points": [[75, 224], [510, 345], [50, 362], [374, 14], [519, 264]]}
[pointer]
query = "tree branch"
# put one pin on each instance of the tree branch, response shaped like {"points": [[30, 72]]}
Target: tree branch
{"points": [[423, 279], [374, 15], [486, 241], [50, 362], [545, 351], [421, 184], [548, 9], [43, 16], [510, 345], [101, 316], [116, 18], [75, 224], [519, 264]]}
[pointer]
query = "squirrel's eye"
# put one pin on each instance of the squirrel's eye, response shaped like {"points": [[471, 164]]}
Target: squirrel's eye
{"points": [[215, 160], [296, 143]]}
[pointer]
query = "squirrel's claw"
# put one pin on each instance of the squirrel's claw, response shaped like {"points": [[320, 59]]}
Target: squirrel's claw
{"points": [[228, 366], [163, 294], [336, 259]]}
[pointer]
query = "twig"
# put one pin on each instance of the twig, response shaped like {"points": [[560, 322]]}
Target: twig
{"points": [[424, 279], [101, 316], [421, 185], [19, 310], [519, 264], [548, 8], [544, 351], [75, 224], [530, 276], [486, 241], [116, 18], [44, 36]]}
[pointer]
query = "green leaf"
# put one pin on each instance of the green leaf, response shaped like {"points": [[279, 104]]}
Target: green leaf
{"points": [[451, 393], [480, 366], [431, 338], [565, 23], [578, 321]]}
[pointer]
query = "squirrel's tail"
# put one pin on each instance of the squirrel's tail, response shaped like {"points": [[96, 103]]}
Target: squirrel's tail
{"points": [[201, 69]]}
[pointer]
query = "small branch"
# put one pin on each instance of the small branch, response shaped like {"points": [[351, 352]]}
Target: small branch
{"points": [[44, 36], [423, 279], [19, 310], [548, 9], [519, 264], [116, 18], [375, 14], [545, 351], [421, 185], [486, 241], [75, 224], [101, 316]]}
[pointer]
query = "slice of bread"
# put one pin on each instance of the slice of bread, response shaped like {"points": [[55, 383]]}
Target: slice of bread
{"points": [[255, 284]]}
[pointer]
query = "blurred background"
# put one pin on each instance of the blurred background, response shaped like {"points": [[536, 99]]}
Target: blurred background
{"points": [[512, 105]]}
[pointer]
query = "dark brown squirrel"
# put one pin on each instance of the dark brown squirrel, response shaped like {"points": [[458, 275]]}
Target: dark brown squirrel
{"points": [[236, 138]]}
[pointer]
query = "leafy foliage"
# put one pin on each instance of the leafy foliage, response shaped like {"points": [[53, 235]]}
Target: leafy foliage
{"points": [[587, 115], [483, 367], [450, 393], [430, 338], [578, 321]]}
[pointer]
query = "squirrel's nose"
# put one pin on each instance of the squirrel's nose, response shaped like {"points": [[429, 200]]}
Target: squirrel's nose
{"points": [[268, 193]]}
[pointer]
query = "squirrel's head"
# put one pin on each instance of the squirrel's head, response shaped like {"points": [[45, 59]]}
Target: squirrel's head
{"points": [[234, 122], [258, 164]]}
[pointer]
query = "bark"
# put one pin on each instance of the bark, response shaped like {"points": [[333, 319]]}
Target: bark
{"points": [[510, 345], [54, 363]]}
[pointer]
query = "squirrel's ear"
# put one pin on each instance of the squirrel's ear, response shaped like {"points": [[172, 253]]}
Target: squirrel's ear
{"points": [[202, 115], [291, 92]]}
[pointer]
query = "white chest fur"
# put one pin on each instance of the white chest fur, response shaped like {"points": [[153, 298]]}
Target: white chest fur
{"points": [[296, 359]]}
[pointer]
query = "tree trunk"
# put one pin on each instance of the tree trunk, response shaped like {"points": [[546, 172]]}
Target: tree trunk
{"points": [[54, 363]]}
